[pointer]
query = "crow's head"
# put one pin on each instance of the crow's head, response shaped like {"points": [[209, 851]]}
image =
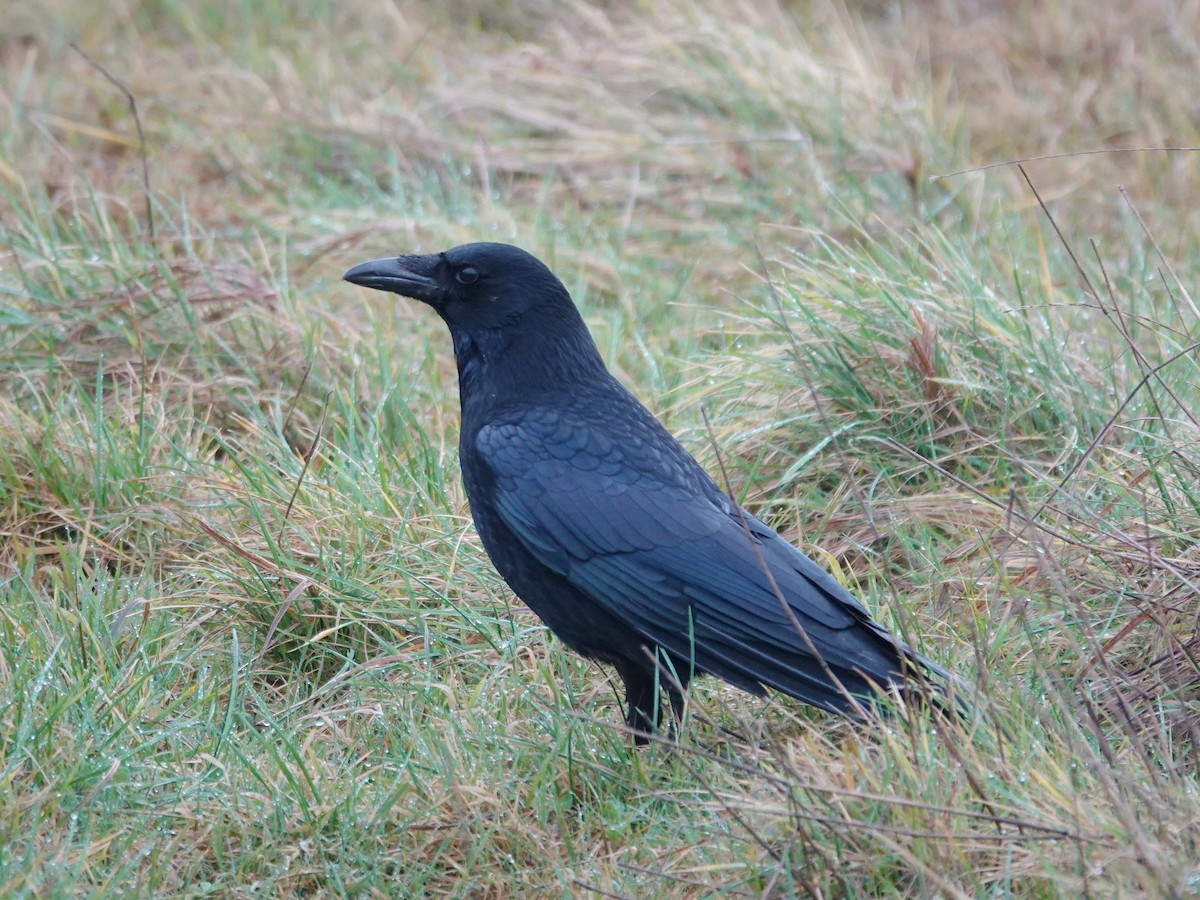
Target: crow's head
{"points": [[472, 287]]}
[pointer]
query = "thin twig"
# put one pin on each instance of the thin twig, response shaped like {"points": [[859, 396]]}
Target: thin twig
{"points": [[1091, 448], [287, 419], [1026, 830], [1030, 521], [1083, 276], [853, 701], [308, 457], [599, 892], [839, 451], [137, 120], [1028, 159], [1157, 249], [1139, 357]]}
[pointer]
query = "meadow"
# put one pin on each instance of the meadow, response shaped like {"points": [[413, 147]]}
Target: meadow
{"points": [[249, 642]]}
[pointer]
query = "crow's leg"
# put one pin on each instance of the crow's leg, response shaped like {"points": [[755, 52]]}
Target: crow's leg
{"points": [[642, 709]]}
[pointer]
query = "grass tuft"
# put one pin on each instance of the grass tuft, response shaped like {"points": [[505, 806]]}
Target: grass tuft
{"points": [[249, 640]]}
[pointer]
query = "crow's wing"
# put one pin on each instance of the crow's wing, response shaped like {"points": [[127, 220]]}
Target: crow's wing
{"points": [[661, 548]]}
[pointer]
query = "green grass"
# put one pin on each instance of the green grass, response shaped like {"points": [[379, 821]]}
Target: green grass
{"points": [[249, 642]]}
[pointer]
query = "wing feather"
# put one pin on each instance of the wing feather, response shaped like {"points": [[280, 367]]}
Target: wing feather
{"points": [[675, 561]]}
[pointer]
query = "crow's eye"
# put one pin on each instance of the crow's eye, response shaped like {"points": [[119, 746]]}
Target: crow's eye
{"points": [[467, 275]]}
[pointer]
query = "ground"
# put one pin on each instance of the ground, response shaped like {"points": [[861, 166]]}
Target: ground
{"points": [[249, 641]]}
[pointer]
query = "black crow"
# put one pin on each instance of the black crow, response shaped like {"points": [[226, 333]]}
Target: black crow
{"points": [[607, 527]]}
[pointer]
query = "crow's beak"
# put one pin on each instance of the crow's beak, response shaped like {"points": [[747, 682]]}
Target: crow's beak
{"points": [[409, 276]]}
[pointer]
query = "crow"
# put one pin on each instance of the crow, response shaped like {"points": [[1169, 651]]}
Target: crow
{"points": [[608, 529]]}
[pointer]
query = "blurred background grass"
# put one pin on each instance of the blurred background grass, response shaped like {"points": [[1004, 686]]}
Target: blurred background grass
{"points": [[220, 677]]}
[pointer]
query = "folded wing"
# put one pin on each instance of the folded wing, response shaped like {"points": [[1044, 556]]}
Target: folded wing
{"points": [[666, 552]]}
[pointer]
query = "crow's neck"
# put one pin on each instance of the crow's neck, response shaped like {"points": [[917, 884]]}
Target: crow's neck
{"points": [[514, 365]]}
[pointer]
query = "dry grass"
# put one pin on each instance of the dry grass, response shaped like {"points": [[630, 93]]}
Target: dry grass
{"points": [[249, 640]]}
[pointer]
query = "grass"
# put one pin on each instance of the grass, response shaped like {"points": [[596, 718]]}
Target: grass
{"points": [[249, 641]]}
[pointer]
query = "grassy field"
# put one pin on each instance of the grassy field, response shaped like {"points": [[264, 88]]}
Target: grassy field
{"points": [[249, 642]]}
